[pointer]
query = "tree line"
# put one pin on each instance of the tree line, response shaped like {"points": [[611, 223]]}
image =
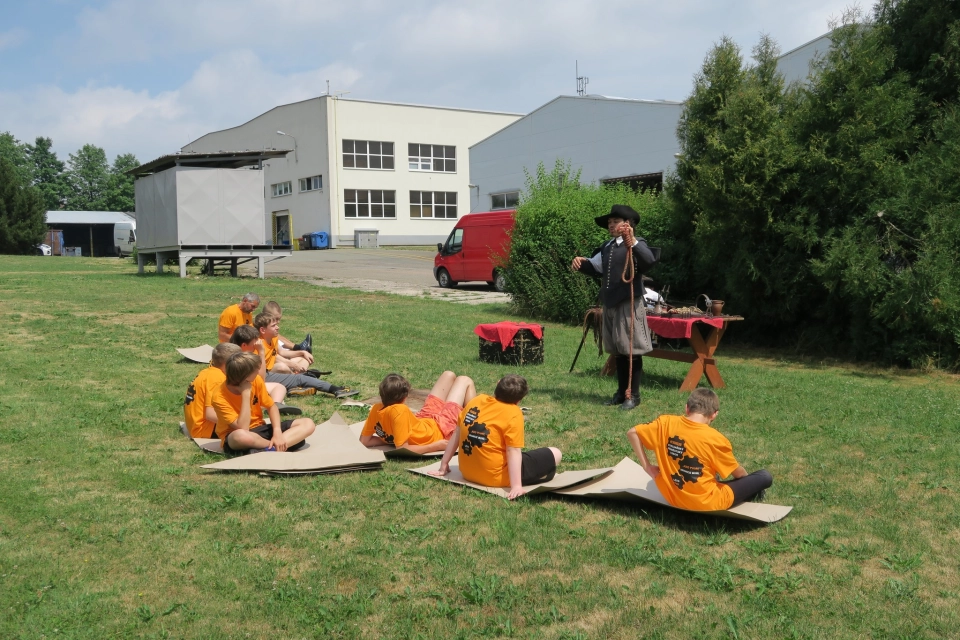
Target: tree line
{"points": [[827, 212], [33, 181]]}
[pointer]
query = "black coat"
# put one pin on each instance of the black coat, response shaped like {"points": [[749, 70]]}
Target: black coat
{"points": [[613, 290]]}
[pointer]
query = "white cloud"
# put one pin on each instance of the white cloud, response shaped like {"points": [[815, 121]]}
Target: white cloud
{"points": [[13, 38]]}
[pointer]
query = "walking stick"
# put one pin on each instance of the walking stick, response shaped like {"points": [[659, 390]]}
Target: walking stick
{"points": [[586, 328]]}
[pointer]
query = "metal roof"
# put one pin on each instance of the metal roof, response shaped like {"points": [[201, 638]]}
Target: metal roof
{"points": [[87, 217], [217, 160]]}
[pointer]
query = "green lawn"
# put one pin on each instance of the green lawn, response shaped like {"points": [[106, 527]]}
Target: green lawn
{"points": [[109, 528]]}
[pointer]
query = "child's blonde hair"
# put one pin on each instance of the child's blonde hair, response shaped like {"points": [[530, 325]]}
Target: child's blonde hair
{"points": [[703, 401], [264, 320], [222, 353], [273, 308], [240, 366]]}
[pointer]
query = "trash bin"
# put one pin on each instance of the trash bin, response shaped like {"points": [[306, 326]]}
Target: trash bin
{"points": [[321, 240]]}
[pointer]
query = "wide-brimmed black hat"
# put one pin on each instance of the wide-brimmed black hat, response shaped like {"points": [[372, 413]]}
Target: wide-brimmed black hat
{"points": [[619, 211]]}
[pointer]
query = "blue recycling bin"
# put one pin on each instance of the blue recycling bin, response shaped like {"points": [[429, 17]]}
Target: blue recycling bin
{"points": [[319, 240]]}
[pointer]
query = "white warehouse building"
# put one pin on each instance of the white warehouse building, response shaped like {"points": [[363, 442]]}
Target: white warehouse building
{"points": [[399, 170]]}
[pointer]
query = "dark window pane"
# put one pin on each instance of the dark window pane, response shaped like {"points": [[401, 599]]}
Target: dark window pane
{"points": [[512, 199], [348, 146], [375, 148], [350, 210], [361, 146], [426, 197], [390, 196], [363, 195], [438, 165], [390, 211], [414, 211], [388, 162], [363, 210], [451, 165], [413, 149], [376, 210], [348, 161], [450, 152], [497, 201], [361, 162], [350, 195], [374, 162], [414, 197], [387, 148], [376, 195], [427, 211], [452, 197], [439, 197]]}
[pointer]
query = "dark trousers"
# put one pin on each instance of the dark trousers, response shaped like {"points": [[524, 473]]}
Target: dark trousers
{"points": [[294, 380], [623, 375], [748, 487]]}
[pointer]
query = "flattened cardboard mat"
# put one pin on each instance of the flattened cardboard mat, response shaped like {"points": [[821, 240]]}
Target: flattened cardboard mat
{"points": [[561, 480], [391, 451], [626, 481], [201, 354]]}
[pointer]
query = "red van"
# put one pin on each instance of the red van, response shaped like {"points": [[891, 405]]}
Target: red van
{"points": [[472, 250]]}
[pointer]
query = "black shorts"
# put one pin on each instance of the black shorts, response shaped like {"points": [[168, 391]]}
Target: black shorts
{"points": [[265, 431], [537, 466]]}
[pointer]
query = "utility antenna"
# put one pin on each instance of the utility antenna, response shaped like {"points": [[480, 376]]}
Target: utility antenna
{"points": [[328, 87], [582, 82]]}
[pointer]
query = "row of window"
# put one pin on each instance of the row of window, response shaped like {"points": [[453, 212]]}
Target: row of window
{"points": [[375, 154], [382, 203], [313, 183]]}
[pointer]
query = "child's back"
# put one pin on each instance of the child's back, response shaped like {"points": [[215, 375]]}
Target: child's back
{"points": [[198, 403], [488, 428]]}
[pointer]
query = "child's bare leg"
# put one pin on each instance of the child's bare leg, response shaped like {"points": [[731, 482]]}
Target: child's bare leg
{"points": [[301, 362], [280, 367], [556, 454], [277, 391], [299, 430], [240, 440], [441, 388], [462, 391]]}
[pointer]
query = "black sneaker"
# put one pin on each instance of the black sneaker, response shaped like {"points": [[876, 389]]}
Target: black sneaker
{"points": [[344, 392], [288, 409]]}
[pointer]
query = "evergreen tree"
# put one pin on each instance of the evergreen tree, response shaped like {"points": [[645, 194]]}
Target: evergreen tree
{"points": [[48, 173], [87, 177], [16, 153], [119, 194], [22, 214]]}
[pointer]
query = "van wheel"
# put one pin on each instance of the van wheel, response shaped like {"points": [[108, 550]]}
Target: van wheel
{"points": [[443, 279], [499, 281]]}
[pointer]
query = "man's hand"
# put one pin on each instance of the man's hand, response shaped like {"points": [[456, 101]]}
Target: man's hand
{"points": [[515, 492], [442, 471], [626, 231], [575, 265]]}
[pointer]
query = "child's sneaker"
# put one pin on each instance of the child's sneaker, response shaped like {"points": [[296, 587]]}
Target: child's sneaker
{"points": [[288, 410], [302, 391], [344, 392]]}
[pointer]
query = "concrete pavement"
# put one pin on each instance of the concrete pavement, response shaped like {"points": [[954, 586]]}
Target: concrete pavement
{"points": [[405, 272]]}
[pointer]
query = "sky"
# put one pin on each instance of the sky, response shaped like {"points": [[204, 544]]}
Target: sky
{"points": [[149, 77]]}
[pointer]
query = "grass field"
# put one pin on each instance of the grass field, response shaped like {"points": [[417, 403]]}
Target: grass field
{"points": [[109, 528]]}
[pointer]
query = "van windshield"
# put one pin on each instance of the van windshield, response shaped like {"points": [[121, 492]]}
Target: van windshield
{"points": [[454, 242]]}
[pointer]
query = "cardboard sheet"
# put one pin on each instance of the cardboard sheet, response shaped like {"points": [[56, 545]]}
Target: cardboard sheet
{"points": [[331, 447], [210, 445], [561, 480], [200, 354], [630, 482], [394, 452]]}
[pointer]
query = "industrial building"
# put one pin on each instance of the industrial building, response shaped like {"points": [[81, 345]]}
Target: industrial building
{"points": [[387, 173]]}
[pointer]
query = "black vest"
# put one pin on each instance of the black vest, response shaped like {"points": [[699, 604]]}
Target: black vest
{"points": [[613, 290]]}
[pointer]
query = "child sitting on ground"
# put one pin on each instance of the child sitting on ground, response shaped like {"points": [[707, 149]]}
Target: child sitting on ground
{"points": [[392, 422], [278, 359], [273, 308], [692, 456], [491, 449], [248, 339], [198, 411], [239, 405]]}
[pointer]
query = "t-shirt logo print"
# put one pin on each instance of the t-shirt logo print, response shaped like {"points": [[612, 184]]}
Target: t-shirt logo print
{"points": [[476, 432], [191, 394], [691, 469], [380, 433]]}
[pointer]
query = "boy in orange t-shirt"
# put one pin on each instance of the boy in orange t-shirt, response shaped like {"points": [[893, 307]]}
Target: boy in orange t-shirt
{"points": [[491, 452], [278, 359], [392, 422], [239, 406], [198, 411], [692, 456]]}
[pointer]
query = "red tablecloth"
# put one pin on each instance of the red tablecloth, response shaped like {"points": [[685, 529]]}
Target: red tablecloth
{"points": [[503, 332], [679, 327]]}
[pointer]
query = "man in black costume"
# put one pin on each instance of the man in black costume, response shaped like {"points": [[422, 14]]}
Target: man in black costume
{"points": [[608, 263]]}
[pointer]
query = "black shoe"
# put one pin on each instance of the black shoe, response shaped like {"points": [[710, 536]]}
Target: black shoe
{"points": [[344, 392], [288, 409], [629, 403], [308, 343], [616, 399], [316, 373]]}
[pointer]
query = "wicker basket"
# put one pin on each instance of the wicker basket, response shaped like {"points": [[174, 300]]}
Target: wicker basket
{"points": [[526, 349]]}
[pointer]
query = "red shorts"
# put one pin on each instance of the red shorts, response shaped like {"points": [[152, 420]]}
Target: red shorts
{"points": [[447, 414]]}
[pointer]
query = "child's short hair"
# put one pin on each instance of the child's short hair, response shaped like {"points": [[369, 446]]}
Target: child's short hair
{"points": [[264, 319], [394, 389], [703, 401], [244, 334], [511, 389], [240, 366], [222, 353], [273, 308]]}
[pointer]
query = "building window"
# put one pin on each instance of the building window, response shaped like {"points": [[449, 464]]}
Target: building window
{"points": [[369, 203], [313, 183], [282, 189], [432, 157], [433, 204], [508, 200], [367, 154]]}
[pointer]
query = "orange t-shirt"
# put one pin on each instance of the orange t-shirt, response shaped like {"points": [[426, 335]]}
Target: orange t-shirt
{"points": [[487, 428], [232, 317], [398, 426], [270, 352], [690, 456], [200, 396], [227, 405]]}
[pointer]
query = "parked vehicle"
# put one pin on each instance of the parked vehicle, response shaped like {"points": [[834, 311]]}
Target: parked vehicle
{"points": [[125, 237], [44, 250], [473, 250]]}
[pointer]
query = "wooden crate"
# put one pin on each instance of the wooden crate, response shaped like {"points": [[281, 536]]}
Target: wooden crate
{"points": [[526, 349]]}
